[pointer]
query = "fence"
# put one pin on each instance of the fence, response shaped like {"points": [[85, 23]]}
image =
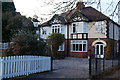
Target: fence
{"points": [[23, 65], [98, 65]]}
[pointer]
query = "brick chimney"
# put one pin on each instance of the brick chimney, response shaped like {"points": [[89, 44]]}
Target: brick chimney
{"points": [[119, 12], [80, 5]]}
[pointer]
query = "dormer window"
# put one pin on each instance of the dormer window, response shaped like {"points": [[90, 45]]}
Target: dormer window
{"points": [[74, 28]]}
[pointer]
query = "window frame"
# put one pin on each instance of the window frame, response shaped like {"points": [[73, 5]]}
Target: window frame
{"points": [[62, 45], [78, 43], [56, 28]]}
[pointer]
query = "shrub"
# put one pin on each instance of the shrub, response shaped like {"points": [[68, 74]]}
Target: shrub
{"points": [[26, 43]]}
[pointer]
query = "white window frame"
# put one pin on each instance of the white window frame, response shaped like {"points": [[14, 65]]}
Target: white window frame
{"points": [[77, 42], [56, 26], [61, 47], [3, 45]]}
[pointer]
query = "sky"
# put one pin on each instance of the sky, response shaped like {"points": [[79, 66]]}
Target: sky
{"points": [[30, 8]]}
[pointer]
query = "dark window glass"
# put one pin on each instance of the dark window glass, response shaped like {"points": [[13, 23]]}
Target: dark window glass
{"points": [[73, 47], [55, 30], [97, 49], [84, 47], [101, 51], [52, 30], [58, 30], [80, 47], [77, 49], [74, 28]]}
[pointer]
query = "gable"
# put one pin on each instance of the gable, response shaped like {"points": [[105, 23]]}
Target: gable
{"points": [[77, 17], [56, 19]]}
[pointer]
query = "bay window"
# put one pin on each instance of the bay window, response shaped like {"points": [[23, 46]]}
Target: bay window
{"points": [[78, 45]]}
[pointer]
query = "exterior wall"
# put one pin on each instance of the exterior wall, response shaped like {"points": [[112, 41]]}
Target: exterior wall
{"points": [[113, 31], [107, 53], [48, 30], [119, 12], [93, 34]]}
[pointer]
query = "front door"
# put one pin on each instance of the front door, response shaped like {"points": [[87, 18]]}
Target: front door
{"points": [[99, 50]]}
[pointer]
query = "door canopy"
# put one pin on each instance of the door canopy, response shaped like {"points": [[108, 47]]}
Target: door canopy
{"points": [[97, 41]]}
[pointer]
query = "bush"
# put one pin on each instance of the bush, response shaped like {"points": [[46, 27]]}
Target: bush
{"points": [[26, 43]]}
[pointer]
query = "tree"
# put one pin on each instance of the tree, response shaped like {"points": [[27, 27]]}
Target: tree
{"points": [[13, 21], [26, 43], [55, 40]]}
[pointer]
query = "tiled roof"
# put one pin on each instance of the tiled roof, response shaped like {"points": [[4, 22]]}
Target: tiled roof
{"points": [[90, 13]]}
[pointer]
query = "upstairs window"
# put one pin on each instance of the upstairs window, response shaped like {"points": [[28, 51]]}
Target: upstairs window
{"points": [[56, 29], [74, 28], [99, 27]]}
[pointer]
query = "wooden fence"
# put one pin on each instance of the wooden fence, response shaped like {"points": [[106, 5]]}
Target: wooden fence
{"points": [[23, 65]]}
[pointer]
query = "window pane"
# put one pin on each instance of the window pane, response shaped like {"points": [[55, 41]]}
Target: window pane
{"points": [[84, 42], [52, 30], [97, 49], [58, 30], [74, 30], [80, 47], [101, 51], [55, 30], [77, 49], [84, 47], [73, 47]]}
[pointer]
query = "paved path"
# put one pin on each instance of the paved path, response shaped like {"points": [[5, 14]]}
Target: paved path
{"points": [[66, 68]]}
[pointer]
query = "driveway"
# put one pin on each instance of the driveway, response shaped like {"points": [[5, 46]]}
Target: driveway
{"points": [[66, 68]]}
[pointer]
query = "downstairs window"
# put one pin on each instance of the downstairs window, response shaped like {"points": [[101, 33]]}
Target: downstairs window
{"points": [[78, 45]]}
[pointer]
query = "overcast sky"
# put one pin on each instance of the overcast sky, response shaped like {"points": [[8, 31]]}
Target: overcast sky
{"points": [[38, 7]]}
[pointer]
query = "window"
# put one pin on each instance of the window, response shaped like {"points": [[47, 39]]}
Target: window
{"points": [[74, 28], [61, 48], [99, 27], [44, 32], [3, 45], [56, 29], [79, 45]]}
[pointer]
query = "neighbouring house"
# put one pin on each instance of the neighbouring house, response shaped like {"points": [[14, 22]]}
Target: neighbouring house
{"points": [[85, 28]]}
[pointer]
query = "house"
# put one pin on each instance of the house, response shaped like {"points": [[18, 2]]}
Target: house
{"points": [[85, 29]]}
